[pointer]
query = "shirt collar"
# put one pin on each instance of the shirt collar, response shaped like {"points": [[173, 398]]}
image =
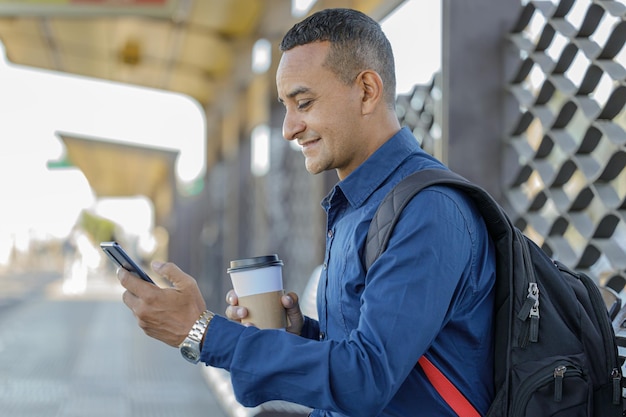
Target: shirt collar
{"points": [[364, 180]]}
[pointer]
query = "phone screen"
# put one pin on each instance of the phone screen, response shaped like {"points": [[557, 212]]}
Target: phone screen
{"points": [[121, 258]]}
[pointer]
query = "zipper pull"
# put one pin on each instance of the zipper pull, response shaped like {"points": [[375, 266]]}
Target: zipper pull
{"points": [[616, 376], [559, 374], [531, 301], [534, 323]]}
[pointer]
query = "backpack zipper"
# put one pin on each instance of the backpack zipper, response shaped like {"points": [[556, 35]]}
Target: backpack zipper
{"points": [[530, 307], [615, 375], [555, 374]]}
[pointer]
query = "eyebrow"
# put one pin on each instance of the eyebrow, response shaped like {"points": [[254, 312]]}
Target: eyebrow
{"points": [[295, 92]]}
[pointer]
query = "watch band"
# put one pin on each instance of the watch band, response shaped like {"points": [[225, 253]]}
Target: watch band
{"points": [[190, 348], [199, 327]]}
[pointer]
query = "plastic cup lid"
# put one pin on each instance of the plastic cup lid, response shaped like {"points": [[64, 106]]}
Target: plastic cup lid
{"points": [[254, 263]]}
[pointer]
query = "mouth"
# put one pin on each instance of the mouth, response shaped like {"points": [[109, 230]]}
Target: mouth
{"points": [[308, 143]]}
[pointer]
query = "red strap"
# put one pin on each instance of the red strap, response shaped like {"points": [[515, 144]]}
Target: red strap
{"points": [[450, 394]]}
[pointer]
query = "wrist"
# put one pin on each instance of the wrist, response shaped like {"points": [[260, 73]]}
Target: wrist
{"points": [[191, 347]]}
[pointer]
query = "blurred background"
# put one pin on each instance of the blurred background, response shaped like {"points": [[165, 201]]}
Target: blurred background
{"points": [[156, 123], [121, 120]]}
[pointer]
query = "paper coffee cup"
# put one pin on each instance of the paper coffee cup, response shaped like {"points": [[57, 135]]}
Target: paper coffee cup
{"points": [[258, 283]]}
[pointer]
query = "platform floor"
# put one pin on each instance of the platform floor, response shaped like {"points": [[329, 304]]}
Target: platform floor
{"points": [[71, 349]]}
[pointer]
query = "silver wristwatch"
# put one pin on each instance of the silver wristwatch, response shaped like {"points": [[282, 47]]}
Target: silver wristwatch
{"points": [[190, 348]]}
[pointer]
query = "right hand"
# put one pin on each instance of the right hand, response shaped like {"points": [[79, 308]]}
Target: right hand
{"points": [[165, 314], [295, 318]]}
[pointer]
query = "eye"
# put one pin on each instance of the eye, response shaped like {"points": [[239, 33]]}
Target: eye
{"points": [[303, 104]]}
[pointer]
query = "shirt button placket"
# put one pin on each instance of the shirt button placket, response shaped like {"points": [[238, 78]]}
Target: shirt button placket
{"points": [[323, 317], [329, 239]]}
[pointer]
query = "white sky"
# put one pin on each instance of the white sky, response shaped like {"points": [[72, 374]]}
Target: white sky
{"points": [[414, 30], [35, 104]]}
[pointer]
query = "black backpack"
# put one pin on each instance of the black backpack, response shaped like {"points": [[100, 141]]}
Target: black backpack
{"points": [[555, 346]]}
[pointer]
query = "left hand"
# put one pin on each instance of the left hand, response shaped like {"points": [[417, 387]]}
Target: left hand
{"points": [[290, 303], [166, 314]]}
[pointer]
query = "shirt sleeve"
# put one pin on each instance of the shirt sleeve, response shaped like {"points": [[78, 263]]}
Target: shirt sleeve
{"points": [[408, 298]]}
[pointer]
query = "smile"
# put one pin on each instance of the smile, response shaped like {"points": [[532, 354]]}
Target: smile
{"points": [[309, 143]]}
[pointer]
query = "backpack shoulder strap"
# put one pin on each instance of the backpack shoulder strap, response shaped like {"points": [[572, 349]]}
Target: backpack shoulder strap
{"points": [[391, 207], [498, 225]]}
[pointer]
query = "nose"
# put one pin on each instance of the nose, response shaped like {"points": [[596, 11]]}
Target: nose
{"points": [[292, 125]]}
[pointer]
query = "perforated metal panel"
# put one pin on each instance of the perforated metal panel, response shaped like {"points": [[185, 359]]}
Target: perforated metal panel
{"points": [[566, 185], [420, 110], [564, 181]]}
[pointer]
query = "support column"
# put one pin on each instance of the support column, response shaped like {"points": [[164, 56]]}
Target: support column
{"points": [[476, 59]]}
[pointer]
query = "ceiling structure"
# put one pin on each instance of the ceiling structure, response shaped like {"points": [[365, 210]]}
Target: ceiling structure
{"points": [[121, 169], [193, 47], [201, 48]]}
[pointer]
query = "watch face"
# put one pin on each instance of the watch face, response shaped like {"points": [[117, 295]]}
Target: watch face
{"points": [[192, 355]]}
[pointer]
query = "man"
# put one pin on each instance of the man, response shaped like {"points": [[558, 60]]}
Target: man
{"points": [[430, 293]]}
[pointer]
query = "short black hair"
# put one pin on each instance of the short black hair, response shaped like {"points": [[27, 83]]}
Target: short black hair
{"points": [[357, 43]]}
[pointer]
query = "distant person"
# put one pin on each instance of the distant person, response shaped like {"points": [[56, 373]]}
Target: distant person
{"points": [[430, 293]]}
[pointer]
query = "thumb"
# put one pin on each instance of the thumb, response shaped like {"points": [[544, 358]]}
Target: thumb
{"points": [[183, 284], [294, 314], [171, 272]]}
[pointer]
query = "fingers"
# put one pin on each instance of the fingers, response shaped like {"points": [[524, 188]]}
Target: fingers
{"points": [[166, 314], [234, 311], [231, 298], [290, 302], [130, 300], [133, 283]]}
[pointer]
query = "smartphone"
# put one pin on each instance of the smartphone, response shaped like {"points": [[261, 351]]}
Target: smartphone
{"points": [[121, 258]]}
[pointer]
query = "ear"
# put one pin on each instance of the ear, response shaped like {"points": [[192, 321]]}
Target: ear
{"points": [[372, 90]]}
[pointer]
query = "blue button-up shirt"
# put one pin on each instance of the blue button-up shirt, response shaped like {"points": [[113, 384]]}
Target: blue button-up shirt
{"points": [[430, 292]]}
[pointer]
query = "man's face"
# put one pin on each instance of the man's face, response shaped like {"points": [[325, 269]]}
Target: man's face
{"points": [[322, 112]]}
